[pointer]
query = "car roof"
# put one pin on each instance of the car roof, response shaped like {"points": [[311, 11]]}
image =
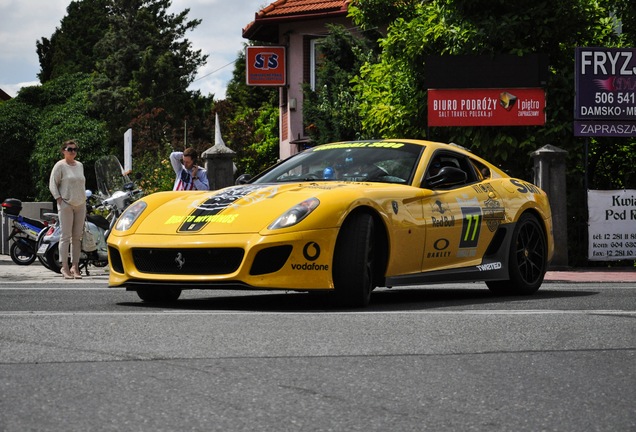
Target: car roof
{"points": [[433, 146]]}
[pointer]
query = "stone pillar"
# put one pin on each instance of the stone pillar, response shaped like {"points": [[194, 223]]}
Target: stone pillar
{"points": [[220, 166], [549, 175]]}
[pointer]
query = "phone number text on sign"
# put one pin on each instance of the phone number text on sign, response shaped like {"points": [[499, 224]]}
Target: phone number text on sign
{"points": [[605, 83], [612, 225]]}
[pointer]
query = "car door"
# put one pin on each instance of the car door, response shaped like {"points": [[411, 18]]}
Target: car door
{"points": [[461, 217]]}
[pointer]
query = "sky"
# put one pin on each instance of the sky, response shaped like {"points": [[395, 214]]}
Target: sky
{"points": [[23, 22]]}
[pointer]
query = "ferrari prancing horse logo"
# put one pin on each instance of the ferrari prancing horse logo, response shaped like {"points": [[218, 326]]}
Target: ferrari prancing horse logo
{"points": [[180, 260]]}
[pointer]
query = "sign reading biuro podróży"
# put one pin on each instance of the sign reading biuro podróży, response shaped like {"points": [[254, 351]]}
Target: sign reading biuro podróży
{"points": [[605, 85], [612, 225], [486, 107]]}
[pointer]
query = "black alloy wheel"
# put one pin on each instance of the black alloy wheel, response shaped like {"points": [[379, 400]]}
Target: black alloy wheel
{"points": [[528, 259]]}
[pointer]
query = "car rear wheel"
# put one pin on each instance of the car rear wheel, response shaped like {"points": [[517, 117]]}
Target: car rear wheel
{"points": [[353, 261], [158, 294], [528, 259]]}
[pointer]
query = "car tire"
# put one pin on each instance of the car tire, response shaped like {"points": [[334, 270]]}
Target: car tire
{"points": [[21, 256], [353, 263], [158, 294], [528, 259]]}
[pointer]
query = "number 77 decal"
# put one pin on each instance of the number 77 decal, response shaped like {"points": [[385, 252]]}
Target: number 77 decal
{"points": [[471, 225]]}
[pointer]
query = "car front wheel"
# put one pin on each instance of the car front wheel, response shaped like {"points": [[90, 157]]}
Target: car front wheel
{"points": [[528, 259], [354, 261]]}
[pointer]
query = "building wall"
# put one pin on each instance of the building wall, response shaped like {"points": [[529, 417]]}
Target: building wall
{"points": [[293, 35]]}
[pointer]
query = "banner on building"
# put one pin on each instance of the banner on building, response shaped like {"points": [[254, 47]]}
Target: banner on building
{"points": [[611, 225], [486, 107], [265, 66]]}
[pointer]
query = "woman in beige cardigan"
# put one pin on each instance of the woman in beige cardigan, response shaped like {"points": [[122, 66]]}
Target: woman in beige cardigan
{"points": [[67, 185]]}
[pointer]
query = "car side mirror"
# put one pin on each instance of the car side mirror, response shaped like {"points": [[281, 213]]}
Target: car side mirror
{"points": [[446, 177], [243, 179]]}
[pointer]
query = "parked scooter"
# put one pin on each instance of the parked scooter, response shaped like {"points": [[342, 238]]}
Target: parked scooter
{"points": [[51, 222], [24, 234], [116, 192]]}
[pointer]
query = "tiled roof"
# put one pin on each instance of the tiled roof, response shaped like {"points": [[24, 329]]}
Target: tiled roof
{"points": [[267, 19], [301, 7]]}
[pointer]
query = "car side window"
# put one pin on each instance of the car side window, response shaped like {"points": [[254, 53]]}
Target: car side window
{"points": [[481, 170], [461, 171]]}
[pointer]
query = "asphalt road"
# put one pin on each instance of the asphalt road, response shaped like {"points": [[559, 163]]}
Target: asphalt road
{"points": [[78, 356]]}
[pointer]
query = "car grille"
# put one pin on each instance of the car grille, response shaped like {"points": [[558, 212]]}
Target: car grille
{"points": [[201, 261]]}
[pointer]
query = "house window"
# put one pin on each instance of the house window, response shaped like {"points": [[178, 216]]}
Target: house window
{"points": [[316, 58]]}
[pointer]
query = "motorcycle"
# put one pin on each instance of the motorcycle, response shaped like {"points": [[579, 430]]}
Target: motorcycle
{"points": [[50, 220], [116, 193], [24, 234]]}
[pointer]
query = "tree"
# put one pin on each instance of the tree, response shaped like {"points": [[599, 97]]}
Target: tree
{"points": [[145, 63], [63, 121], [18, 126], [378, 14], [33, 126], [70, 48]]}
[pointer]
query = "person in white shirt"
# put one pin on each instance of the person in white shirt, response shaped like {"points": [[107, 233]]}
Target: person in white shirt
{"points": [[68, 186], [190, 176]]}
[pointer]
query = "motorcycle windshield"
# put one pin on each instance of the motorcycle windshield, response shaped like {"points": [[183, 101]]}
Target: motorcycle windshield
{"points": [[110, 175]]}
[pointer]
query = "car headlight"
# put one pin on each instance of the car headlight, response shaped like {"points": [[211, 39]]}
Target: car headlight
{"points": [[128, 218], [295, 214]]}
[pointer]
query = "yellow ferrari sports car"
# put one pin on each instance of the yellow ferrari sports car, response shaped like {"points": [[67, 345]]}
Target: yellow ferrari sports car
{"points": [[345, 217]]}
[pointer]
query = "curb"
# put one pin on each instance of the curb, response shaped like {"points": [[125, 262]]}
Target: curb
{"points": [[37, 273]]}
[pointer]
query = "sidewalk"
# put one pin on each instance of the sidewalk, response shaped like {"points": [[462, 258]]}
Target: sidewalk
{"points": [[616, 275], [37, 273], [10, 272]]}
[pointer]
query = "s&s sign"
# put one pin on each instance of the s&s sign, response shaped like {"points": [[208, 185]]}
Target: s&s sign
{"points": [[265, 66]]}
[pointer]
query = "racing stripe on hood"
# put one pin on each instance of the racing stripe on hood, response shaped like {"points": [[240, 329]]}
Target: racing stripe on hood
{"points": [[204, 212]]}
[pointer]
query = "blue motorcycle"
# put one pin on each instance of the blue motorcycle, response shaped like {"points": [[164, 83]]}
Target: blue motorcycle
{"points": [[24, 234]]}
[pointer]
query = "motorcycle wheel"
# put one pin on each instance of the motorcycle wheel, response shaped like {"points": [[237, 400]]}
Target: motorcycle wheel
{"points": [[42, 258], [20, 255], [52, 257], [44, 262]]}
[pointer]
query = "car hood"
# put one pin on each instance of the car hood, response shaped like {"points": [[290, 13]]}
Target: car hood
{"points": [[242, 209]]}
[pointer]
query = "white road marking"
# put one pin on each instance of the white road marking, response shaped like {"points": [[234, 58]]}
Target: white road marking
{"points": [[166, 312]]}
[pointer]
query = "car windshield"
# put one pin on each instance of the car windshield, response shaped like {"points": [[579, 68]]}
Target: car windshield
{"points": [[360, 161]]}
